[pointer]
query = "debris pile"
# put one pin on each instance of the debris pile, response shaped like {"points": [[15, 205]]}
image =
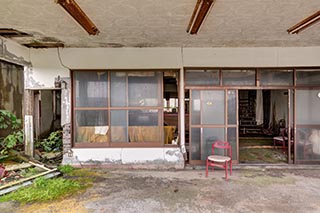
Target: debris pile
{"points": [[14, 176]]}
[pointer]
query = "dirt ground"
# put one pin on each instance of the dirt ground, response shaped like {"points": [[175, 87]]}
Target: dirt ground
{"points": [[247, 190]]}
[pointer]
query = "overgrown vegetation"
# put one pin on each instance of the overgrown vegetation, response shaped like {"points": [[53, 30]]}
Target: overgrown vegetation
{"points": [[66, 169], [14, 140], [72, 180], [51, 144], [42, 190]]}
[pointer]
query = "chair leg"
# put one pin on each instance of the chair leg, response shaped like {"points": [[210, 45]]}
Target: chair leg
{"points": [[226, 169], [207, 169], [230, 167]]}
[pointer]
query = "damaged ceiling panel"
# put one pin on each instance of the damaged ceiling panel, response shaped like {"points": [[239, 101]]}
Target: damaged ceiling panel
{"points": [[29, 40], [10, 33]]}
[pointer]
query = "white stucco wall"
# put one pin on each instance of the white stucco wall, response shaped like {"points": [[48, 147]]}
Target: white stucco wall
{"points": [[251, 57], [13, 52], [155, 158], [47, 66]]}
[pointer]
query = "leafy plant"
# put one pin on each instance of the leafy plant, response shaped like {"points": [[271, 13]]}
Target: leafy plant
{"points": [[52, 143], [66, 169], [9, 120], [14, 140]]}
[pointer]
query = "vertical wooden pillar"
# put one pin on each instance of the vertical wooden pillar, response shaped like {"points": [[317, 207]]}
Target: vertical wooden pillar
{"points": [[28, 122], [182, 112]]}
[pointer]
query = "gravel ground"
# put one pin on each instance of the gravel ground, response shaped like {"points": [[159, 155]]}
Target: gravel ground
{"points": [[247, 190]]}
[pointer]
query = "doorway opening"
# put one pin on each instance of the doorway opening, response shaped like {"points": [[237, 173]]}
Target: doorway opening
{"points": [[263, 115], [171, 106]]}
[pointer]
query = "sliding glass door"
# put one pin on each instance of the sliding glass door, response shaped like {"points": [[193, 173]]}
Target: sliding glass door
{"points": [[213, 117]]}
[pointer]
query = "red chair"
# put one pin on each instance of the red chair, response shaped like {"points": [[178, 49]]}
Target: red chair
{"points": [[220, 160], [283, 139]]}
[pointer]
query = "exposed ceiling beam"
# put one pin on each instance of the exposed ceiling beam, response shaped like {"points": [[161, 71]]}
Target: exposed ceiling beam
{"points": [[79, 15], [305, 23], [199, 14]]}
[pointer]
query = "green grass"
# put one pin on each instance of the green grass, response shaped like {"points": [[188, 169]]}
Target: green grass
{"points": [[42, 190]]}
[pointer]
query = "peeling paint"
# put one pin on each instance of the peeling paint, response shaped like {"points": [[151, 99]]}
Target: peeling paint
{"points": [[173, 153], [123, 158], [65, 101], [6, 55], [29, 81]]}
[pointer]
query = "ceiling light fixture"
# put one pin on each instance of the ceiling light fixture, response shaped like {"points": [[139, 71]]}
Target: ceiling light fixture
{"points": [[77, 13], [199, 14], [305, 23]]}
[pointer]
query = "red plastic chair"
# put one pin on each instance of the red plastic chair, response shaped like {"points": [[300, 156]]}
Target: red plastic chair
{"points": [[221, 160]]}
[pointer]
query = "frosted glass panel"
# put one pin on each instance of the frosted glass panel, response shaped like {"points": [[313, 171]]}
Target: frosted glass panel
{"points": [[232, 139], [307, 107], [91, 89], [195, 107], [278, 77], [308, 77], [209, 136], [195, 144], [232, 109], [308, 144], [212, 103], [202, 77], [238, 77]]}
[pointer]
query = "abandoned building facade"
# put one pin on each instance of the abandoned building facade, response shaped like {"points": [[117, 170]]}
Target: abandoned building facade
{"points": [[162, 107]]}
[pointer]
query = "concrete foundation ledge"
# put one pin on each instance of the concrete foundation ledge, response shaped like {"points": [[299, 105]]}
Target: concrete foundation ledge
{"points": [[135, 158]]}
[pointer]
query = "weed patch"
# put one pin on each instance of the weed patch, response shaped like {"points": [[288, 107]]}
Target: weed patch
{"points": [[42, 190]]}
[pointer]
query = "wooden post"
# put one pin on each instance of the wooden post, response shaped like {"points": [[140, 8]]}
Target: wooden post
{"points": [[28, 122]]}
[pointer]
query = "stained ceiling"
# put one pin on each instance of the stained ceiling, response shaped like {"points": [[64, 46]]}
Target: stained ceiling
{"points": [[163, 23]]}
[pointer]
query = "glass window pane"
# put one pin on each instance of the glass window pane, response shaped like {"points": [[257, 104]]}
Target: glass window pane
{"points": [[308, 77], [91, 126], [276, 77], [143, 126], [232, 108], [118, 89], [195, 144], [91, 89], [202, 77], [143, 89], [212, 105], [232, 139], [308, 144], [307, 107], [119, 125], [195, 107], [143, 117], [238, 77], [209, 136]]}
